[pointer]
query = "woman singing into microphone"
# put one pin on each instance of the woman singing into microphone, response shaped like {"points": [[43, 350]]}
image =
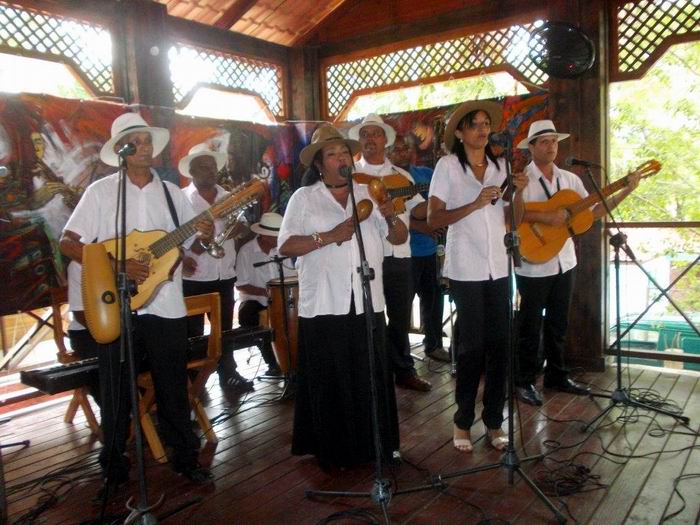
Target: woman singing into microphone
{"points": [[332, 418], [465, 194]]}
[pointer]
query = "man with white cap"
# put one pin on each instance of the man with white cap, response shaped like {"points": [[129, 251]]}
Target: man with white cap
{"points": [[374, 137], [545, 288], [160, 326], [252, 281], [203, 272]]}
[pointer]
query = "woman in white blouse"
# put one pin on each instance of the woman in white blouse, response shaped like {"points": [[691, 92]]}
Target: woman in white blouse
{"points": [[465, 193], [332, 418]]}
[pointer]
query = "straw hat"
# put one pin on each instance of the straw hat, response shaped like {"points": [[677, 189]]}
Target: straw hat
{"points": [[200, 150], [541, 128], [269, 224], [494, 110], [373, 120], [132, 123], [324, 136]]}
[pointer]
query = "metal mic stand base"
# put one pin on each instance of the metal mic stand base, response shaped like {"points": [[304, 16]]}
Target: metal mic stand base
{"points": [[509, 461], [621, 396]]}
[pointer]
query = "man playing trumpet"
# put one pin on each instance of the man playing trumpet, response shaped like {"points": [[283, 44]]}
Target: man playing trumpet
{"points": [[203, 272]]}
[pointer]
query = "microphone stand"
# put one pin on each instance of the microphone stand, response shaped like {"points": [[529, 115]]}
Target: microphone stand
{"points": [[288, 302], [510, 460], [622, 395], [381, 492], [141, 513]]}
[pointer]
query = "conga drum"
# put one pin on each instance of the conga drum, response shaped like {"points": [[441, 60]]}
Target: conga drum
{"points": [[279, 303]]}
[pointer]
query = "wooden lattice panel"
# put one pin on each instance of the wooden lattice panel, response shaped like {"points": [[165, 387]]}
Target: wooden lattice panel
{"points": [[192, 66], [644, 29], [27, 32], [500, 49]]}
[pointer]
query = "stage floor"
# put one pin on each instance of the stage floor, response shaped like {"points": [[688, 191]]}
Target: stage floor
{"points": [[257, 481]]}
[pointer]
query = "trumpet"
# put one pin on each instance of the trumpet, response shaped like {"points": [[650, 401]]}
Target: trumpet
{"points": [[215, 248]]}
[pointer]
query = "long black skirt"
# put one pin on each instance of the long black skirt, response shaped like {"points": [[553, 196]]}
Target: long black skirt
{"points": [[332, 417]]}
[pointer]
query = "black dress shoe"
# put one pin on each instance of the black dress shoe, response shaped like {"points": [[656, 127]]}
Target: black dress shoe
{"points": [[528, 394], [413, 382], [568, 386], [195, 473], [110, 487]]}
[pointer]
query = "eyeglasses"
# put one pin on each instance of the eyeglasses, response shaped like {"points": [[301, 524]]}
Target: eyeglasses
{"points": [[371, 134]]}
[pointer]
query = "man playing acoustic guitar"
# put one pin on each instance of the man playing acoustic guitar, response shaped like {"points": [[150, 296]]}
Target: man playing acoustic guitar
{"points": [[548, 285], [160, 325]]}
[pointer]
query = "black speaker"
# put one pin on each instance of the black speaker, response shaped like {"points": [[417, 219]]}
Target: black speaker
{"points": [[561, 50]]}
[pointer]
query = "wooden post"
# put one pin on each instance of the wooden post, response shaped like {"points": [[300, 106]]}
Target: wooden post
{"points": [[305, 84], [580, 107]]}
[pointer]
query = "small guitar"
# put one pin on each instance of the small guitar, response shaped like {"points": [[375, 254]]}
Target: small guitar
{"points": [[395, 187], [540, 242], [160, 250]]}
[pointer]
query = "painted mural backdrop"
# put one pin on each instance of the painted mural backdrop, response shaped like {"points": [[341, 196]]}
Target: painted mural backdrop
{"points": [[49, 154]]}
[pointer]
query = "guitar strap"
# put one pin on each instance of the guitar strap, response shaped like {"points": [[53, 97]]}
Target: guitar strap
{"points": [[171, 206], [546, 190]]}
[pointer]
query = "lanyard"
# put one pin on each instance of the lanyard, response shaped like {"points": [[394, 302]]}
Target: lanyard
{"points": [[546, 190]]}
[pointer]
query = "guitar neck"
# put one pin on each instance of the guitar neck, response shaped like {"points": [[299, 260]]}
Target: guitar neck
{"points": [[408, 191], [178, 236], [594, 198]]}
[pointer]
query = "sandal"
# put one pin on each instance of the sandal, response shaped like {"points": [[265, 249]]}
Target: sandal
{"points": [[463, 444], [497, 442]]}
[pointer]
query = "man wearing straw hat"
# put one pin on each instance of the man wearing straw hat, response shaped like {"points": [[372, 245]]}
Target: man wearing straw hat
{"points": [[547, 287], [252, 281], [374, 137], [160, 326], [204, 273]]}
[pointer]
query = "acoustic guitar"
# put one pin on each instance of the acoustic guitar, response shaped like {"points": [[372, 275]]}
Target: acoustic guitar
{"points": [[540, 242], [159, 249], [395, 187]]}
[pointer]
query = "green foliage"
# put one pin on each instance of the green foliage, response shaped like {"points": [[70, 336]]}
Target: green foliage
{"points": [[659, 117]]}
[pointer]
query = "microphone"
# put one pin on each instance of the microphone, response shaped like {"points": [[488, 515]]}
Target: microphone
{"points": [[502, 139], [345, 172], [127, 149], [572, 161]]}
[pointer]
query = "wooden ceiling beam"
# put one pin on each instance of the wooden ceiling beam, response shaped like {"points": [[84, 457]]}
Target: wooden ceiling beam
{"points": [[234, 13], [482, 15], [340, 9]]}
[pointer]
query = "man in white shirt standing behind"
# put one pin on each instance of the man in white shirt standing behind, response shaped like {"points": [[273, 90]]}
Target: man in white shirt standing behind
{"points": [[374, 137], [204, 273], [252, 281], [545, 289]]}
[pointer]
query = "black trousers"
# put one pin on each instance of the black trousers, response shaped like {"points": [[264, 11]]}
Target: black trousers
{"points": [[249, 316], [426, 285], [544, 315], [161, 345], [195, 323], [85, 346], [398, 293], [482, 316]]}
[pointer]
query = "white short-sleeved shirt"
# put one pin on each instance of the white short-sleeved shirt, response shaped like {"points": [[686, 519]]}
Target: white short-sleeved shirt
{"points": [[328, 276], [402, 250], [93, 220], [475, 249], [534, 192], [208, 267], [75, 296], [248, 274]]}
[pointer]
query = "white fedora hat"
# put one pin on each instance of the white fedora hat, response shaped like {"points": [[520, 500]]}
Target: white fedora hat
{"points": [[269, 224], [132, 123], [541, 128], [200, 150], [373, 120]]}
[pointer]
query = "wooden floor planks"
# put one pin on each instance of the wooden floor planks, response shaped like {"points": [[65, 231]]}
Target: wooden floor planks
{"points": [[258, 481]]}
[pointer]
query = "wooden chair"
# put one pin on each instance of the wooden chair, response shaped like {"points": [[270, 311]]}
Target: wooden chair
{"points": [[203, 367], [59, 300]]}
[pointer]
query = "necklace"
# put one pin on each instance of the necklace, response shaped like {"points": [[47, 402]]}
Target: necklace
{"points": [[335, 186]]}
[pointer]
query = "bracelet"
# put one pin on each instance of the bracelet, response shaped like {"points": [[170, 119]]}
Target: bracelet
{"points": [[317, 239]]}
